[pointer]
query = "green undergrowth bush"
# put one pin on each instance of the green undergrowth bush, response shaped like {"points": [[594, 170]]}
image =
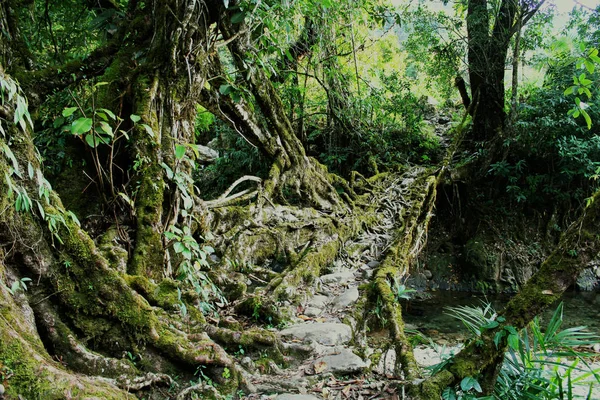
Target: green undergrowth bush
{"points": [[552, 158], [541, 361]]}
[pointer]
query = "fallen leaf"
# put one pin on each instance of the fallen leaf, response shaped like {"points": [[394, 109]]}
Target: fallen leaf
{"points": [[304, 317], [320, 366], [549, 292]]}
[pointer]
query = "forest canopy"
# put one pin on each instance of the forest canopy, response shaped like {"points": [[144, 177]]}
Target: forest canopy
{"points": [[191, 189]]}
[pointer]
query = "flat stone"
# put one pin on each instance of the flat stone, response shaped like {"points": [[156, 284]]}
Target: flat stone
{"points": [[318, 301], [345, 362], [345, 299], [312, 311], [387, 364], [373, 264], [329, 334], [338, 277], [364, 267], [296, 397]]}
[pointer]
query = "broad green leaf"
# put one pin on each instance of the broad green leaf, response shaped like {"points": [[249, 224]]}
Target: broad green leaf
{"points": [[490, 325], [106, 128], [168, 170], [448, 394], [81, 125], [179, 151], [238, 17], [30, 170], [225, 89], [67, 112], [135, 118], [587, 118], [178, 247], [513, 341], [109, 113], [148, 130], [92, 141], [469, 383]]}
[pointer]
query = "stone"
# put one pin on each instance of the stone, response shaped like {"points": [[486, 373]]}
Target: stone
{"points": [[338, 277], [373, 264], [387, 364], [318, 301], [364, 267], [312, 311], [428, 274], [329, 334], [345, 299], [345, 362], [288, 396], [368, 274]]}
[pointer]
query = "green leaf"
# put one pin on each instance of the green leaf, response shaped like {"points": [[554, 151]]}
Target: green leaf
{"points": [[178, 247], [238, 17], [81, 125], [469, 383], [179, 151], [135, 118], [148, 130], [30, 170], [67, 112], [225, 89], [168, 170], [570, 90], [12, 158], [590, 66], [498, 337], [106, 128], [109, 113], [92, 141], [513, 341], [490, 325], [587, 118]]}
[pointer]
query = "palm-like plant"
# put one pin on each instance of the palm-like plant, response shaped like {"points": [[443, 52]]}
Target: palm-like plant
{"points": [[541, 364]]}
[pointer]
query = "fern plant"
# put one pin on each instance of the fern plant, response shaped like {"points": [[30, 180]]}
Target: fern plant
{"points": [[540, 363]]}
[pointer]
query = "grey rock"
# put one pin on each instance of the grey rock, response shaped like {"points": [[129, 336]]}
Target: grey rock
{"points": [[387, 364], [296, 397], [318, 301], [345, 362], [364, 267], [338, 277], [368, 274], [345, 299], [373, 264], [329, 334], [312, 311], [1, 389]]}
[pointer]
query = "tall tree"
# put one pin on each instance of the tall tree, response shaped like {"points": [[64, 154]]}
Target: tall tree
{"points": [[490, 28]]}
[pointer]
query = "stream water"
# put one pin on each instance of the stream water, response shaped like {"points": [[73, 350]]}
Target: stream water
{"points": [[580, 309]]}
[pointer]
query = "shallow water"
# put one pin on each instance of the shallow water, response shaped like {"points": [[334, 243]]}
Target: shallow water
{"points": [[580, 309]]}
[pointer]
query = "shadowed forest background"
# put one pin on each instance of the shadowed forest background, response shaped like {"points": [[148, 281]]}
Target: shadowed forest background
{"points": [[241, 199]]}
